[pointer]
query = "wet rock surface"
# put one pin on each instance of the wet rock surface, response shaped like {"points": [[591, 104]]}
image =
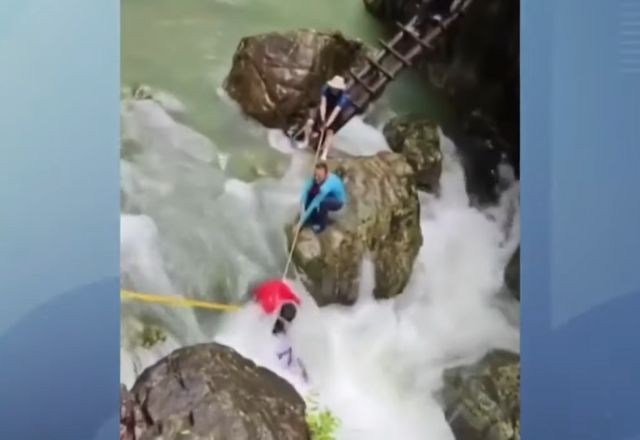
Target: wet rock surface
{"points": [[276, 77], [419, 142], [209, 391], [482, 401], [380, 220]]}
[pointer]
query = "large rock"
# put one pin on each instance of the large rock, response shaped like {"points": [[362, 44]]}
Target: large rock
{"points": [[512, 274], [381, 219], [209, 391], [276, 77], [418, 141], [482, 402]]}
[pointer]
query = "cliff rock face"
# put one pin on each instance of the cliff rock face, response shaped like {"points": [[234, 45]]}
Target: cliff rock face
{"points": [[209, 391], [276, 77], [477, 65], [380, 220]]}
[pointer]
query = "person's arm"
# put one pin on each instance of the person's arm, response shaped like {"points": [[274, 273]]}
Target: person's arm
{"points": [[323, 108], [305, 193], [323, 103], [324, 192]]}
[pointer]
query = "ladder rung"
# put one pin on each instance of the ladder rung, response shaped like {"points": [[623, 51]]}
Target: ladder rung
{"points": [[415, 36], [359, 106], [395, 53], [363, 84], [364, 70], [377, 86], [378, 66], [396, 38]]}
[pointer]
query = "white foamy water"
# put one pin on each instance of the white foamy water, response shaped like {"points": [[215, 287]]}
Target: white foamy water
{"points": [[376, 365]]}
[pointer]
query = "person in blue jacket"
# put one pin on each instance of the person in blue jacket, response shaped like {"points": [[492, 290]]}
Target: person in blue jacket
{"points": [[323, 193]]}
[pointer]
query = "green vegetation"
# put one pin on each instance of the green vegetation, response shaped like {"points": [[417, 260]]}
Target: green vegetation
{"points": [[322, 423], [151, 335]]}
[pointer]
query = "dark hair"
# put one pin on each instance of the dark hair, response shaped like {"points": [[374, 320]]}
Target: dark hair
{"points": [[287, 314], [322, 166]]}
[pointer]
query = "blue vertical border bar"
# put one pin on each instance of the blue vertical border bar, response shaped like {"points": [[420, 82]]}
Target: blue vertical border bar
{"points": [[59, 221], [580, 67]]}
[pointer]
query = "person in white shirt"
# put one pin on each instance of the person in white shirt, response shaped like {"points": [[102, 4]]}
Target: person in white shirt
{"points": [[285, 350]]}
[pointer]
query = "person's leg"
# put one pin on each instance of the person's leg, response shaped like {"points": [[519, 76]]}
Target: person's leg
{"points": [[312, 219], [321, 219], [327, 205], [331, 204]]}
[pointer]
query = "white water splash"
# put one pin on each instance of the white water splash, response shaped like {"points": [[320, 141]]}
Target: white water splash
{"points": [[376, 364]]}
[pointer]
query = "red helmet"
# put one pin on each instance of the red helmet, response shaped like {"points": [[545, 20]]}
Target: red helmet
{"points": [[273, 294]]}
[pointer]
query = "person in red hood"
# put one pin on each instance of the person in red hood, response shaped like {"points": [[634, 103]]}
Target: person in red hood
{"points": [[275, 296]]}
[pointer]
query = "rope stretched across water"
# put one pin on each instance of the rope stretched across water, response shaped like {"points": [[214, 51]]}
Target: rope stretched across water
{"points": [[178, 301], [299, 226]]}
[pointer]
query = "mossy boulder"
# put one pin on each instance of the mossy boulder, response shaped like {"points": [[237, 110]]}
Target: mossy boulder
{"points": [[418, 141], [381, 219], [276, 77], [482, 401]]}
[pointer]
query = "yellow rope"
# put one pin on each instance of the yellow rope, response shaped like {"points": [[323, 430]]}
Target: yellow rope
{"points": [[176, 301]]}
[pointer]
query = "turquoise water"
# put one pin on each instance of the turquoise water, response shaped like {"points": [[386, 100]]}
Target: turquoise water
{"points": [[185, 47]]}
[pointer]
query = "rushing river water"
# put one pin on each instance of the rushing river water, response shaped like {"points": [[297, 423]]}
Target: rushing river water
{"points": [[205, 199], [186, 47]]}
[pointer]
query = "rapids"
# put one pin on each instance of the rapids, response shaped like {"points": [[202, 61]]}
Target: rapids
{"points": [[188, 226]]}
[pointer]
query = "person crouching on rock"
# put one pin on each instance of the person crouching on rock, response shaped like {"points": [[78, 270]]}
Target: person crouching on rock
{"points": [[324, 192], [275, 295], [334, 99]]}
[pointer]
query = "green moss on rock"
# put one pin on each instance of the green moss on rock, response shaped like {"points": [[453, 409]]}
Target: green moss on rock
{"points": [[419, 142], [380, 220], [151, 335], [482, 401]]}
